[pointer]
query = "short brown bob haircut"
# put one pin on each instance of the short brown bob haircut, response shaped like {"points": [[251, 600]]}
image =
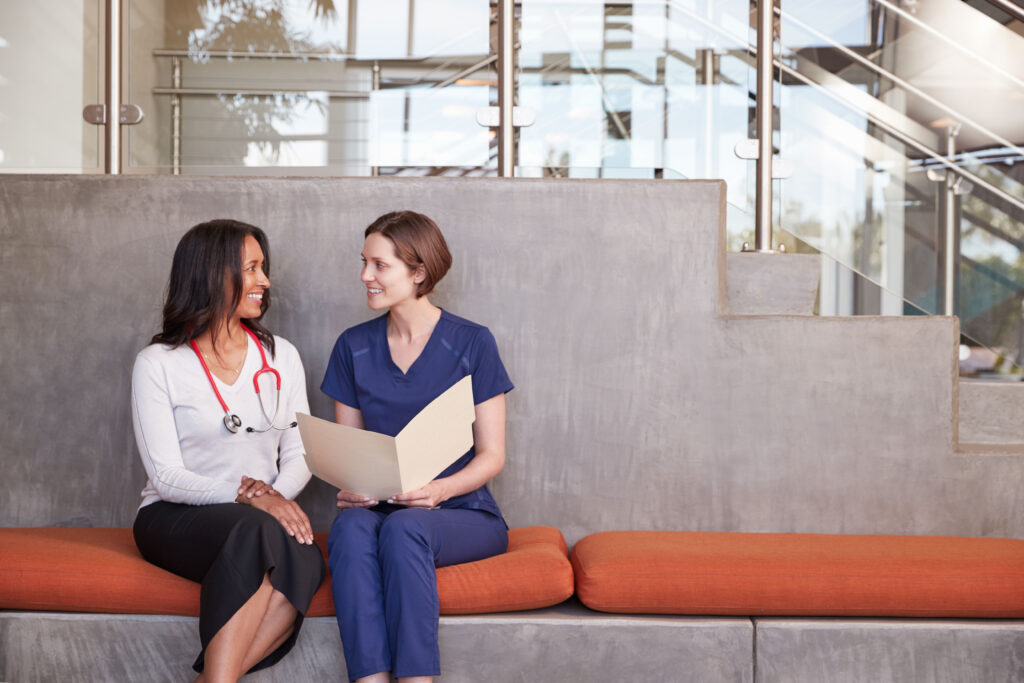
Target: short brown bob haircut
{"points": [[418, 242]]}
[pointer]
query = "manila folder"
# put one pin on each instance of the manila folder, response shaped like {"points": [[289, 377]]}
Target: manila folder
{"points": [[380, 466]]}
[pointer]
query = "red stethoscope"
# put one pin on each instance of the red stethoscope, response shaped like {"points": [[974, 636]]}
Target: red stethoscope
{"points": [[232, 421]]}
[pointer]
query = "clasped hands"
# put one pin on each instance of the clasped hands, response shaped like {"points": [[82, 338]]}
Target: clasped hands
{"points": [[263, 496], [428, 496]]}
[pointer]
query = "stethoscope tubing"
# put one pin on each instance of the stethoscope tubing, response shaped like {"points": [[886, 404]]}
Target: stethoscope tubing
{"points": [[231, 421]]}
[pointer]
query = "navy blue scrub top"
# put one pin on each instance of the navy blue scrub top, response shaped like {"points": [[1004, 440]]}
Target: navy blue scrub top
{"points": [[362, 375]]}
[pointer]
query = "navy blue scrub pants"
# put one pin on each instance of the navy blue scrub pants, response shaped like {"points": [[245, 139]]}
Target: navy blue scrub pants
{"points": [[382, 565]]}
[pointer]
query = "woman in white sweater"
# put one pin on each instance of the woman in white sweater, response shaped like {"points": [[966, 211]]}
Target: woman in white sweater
{"points": [[214, 398]]}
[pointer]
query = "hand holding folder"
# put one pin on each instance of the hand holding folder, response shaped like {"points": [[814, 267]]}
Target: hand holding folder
{"points": [[380, 466]]}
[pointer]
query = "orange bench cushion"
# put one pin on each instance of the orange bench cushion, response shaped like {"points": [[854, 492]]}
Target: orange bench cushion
{"points": [[100, 570], [800, 574]]}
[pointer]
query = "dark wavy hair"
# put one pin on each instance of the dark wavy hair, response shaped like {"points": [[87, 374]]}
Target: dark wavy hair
{"points": [[418, 242], [196, 298]]}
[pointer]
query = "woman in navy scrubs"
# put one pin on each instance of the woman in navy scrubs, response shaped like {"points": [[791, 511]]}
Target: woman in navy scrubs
{"points": [[383, 554]]}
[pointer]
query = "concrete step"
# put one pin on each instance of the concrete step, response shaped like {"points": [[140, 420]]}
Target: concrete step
{"points": [[991, 417], [771, 284]]}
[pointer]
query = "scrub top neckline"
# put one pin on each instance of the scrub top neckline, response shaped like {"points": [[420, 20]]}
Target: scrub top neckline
{"points": [[234, 386], [397, 371]]}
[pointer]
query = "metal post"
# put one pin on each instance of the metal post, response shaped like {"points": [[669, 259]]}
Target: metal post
{"points": [[408, 44], [506, 87], [112, 130], [375, 86], [763, 198], [707, 73], [176, 117], [952, 227]]}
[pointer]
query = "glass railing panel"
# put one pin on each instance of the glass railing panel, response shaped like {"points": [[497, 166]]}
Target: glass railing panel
{"points": [[875, 93], [338, 88], [991, 273], [840, 287], [940, 71], [647, 84], [50, 69], [429, 127], [853, 194]]}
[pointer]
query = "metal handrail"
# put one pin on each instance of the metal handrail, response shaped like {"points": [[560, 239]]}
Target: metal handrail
{"points": [[896, 133], [262, 92], [908, 140], [885, 73], [1010, 8], [300, 56], [472, 68], [925, 27]]}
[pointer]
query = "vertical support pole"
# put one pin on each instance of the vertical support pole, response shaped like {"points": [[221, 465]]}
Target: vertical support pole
{"points": [[707, 74], [506, 87], [112, 130], [176, 117], [952, 228], [374, 86], [765, 54], [408, 43], [353, 19]]}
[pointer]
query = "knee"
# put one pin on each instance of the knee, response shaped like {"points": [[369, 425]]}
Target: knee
{"points": [[257, 524], [355, 528], [403, 531]]}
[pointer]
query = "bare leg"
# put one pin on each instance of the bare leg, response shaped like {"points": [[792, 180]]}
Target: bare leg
{"points": [[276, 627], [226, 650], [379, 677], [415, 679]]}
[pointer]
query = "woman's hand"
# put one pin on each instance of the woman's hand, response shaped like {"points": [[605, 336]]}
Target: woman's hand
{"points": [[430, 496], [285, 511], [347, 499], [255, 487]]}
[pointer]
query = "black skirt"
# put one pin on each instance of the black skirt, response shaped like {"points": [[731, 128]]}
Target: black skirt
{"points": [[229, 548]]}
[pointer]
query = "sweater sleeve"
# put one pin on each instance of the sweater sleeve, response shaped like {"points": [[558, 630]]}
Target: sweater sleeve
{"points": [[293, 473], [157, 438]]}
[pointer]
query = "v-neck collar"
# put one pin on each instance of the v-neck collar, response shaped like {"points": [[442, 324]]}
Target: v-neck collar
{"points": [[392, 365], [233, 388]]}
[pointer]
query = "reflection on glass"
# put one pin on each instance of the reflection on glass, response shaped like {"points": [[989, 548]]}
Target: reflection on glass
{"points": [[429, 127], [259, 25], [874, 94], [658, 87], [309, 84]]}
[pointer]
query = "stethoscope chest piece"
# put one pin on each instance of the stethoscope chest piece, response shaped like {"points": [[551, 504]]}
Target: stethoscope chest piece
{"points": [[232, 422]]}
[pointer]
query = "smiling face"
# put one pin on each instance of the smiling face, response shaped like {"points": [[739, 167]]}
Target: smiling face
{"points": [[254, 281], [389, 281]]}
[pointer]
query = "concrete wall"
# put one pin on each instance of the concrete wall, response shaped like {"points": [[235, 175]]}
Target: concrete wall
{"points": [[638, 404]]}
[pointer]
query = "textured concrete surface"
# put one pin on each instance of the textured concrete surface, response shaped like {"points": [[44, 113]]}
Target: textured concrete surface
{"points": [[547, 645], [637, 404], [883, 651], [771, 284], [991, 415]]}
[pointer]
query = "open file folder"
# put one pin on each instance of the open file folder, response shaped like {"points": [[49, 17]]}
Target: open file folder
{"points": [[380, 466]]}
